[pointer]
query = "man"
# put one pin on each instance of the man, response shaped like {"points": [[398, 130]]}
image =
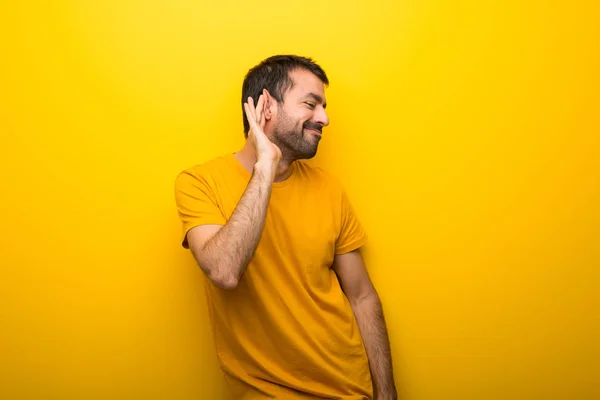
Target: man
{"points": [[292, 308]]}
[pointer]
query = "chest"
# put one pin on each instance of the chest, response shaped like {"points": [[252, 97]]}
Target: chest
{"points": [[301, 227]]}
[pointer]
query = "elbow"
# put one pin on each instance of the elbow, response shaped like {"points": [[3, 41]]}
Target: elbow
{"points": [[370, 298], [218, 274], [226, 283], [223, 278]]}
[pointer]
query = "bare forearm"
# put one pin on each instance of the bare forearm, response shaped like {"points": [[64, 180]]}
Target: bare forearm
{"points": [[369, 315], [230, 250]]}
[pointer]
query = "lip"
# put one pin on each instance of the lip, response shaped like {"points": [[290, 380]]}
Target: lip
{"points": [[314, 131]]}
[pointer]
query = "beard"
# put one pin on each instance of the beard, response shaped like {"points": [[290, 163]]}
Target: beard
{"points": [[295, 143]]}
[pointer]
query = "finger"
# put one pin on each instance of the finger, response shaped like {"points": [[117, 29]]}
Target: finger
{"points": [[250, 110], [265, 104], [259, 108], [262, 121], [247, 111], [254, 128], [251, 107], [250, 117]]}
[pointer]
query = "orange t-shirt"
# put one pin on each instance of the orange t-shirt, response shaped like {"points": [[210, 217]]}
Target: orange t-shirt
{"points": [[287, 331]]}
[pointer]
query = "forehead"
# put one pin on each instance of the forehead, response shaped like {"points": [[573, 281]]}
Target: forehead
{"points": [[305, 82]]}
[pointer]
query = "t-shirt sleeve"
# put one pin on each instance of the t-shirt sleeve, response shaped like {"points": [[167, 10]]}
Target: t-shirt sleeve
{"points": [[352, 234], [196, 203]]}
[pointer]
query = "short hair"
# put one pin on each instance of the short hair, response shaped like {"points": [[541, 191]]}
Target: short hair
{"points": [[273, 74]]}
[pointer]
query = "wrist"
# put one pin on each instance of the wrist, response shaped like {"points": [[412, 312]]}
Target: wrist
{"points": [[387, 395], [264, 169]]}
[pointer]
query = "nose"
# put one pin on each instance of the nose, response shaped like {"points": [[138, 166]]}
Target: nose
{"points": [[321, 116]]}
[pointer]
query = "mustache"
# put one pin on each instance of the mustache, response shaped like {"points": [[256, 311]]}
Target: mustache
{"points": [[313, 125]]}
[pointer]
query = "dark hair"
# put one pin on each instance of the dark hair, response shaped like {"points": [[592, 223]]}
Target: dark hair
{"points": [[273, 74]]}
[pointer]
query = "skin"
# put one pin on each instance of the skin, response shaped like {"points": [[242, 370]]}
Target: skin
{"points": [[280, 134], [294, 126]]}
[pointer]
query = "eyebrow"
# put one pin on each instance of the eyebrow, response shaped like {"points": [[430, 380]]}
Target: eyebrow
{"points": [[317, 98]]}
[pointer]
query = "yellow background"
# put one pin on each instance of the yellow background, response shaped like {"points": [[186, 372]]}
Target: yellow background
{"points": [[466, 132]]}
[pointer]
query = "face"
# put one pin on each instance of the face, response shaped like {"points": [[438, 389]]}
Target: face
{"points": [[299, 121]]}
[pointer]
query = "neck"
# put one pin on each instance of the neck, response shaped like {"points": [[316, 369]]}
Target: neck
{"points": [[247, 157]]}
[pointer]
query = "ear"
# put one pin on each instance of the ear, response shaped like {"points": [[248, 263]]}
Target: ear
{"points": [[269, 105]]}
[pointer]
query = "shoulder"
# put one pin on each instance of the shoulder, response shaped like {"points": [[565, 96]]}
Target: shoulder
{"points": [[318, 176], [207, 166], [202, 172]]}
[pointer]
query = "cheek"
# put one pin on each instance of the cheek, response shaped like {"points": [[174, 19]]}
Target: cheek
{"points": [[305, 116], [298, 119]]}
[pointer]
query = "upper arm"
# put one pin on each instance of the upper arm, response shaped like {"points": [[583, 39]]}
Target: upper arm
{"points": [[197, 238], [353, 276], [197, 207], [351, 235]]}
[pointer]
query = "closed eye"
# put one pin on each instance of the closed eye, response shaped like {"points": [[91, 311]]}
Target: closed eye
{"points": [[310, 105]]}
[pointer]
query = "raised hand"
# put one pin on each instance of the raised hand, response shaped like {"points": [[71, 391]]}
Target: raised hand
{"points": [[267, 152]]}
